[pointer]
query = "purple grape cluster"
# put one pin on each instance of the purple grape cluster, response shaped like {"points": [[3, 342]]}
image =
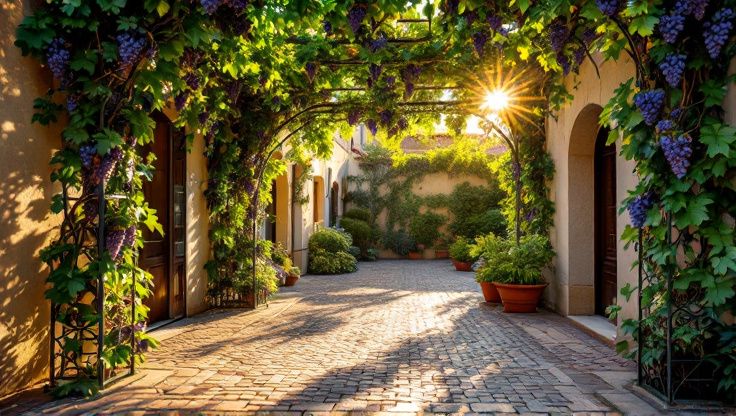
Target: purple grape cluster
{"points": [[609, 8], [638, 208], [579, 55], [650, 104], [104, 171], [372, 126], [72, 102], [688, 7], [87, 154], [408, 89], [670, 26], [354, 117], [379, 43], [327, 27], [210, 6], [676, 113], [677, 151], [130, 46], [386, 116], [558, 35], [114, 242], [375, 71], [564, 62], [402, 124], [129, 239], [57, 56], [238, 5], [588, 36], [665, 125], [495, 22], [390, 81], [192, 81], [311, 69], [672, 66], [181, 100], [479, 41], [717, 31], [356, 14], [470, 16]]}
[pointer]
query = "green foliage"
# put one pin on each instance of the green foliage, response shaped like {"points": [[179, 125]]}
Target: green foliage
{"points": [[469, 206], [507, 262], [330, 240], [399, 241], [329, 252], [425, 228], [324, 262], [360, 214], [360, 232], [460, 250]]}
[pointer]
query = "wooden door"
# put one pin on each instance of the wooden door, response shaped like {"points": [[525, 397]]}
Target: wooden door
{"points": [[163, 255], [605, 223]]}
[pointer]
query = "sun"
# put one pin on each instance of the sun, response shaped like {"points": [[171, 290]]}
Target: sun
{"points": [[496, 100]]}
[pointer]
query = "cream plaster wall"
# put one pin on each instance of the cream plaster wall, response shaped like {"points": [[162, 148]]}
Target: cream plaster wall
{"points": [[26, 224], [571, 143], [198, 243], [339, 163]]}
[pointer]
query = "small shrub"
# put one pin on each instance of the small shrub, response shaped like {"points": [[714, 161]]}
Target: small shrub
{"points": [[460, 250], [323, 262], [279, 255], [355, 252], [329, 252], [399, 242], [371, 254], [424, 228], [359, 230], [330, 240], [361, 214], [490, 221], [468, 204]]}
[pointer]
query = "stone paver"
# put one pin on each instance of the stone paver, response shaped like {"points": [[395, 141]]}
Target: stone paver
{"points": [[397, 336]]}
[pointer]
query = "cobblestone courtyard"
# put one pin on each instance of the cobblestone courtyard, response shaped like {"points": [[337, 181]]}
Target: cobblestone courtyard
{"points": [[397, 336]]}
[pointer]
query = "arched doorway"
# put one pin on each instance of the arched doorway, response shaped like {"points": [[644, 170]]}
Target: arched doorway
{"points": [[164, 255], [605, 223], [334, 208]]}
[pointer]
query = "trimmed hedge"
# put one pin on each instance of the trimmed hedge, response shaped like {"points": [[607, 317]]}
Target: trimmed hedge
{"points": [[329, 252]]}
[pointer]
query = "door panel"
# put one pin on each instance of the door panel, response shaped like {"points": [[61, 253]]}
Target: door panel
{"points": [[605, 223], [163, 256]]}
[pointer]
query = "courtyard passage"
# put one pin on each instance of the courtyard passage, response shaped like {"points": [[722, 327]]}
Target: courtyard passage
{"points": [[397, 336]]}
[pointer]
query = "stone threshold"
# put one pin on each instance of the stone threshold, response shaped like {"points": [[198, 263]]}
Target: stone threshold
{"points": [[596, 326]]}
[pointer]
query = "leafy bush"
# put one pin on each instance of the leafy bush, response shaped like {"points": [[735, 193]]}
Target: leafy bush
{"points": [[324, 262], [424, 228], [469, 205], [330, 240], [512, 263], [295, 271], [399, 242], [371, 254], [329, 252], [360, 232], [489, 221], [355, 252], [460, 250], [361, 214]]}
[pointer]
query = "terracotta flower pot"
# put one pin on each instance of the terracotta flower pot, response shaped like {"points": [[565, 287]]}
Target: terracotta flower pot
{"points": [[415, 255], [490, 293], [463, 266], [291, 280], [520, 298], [441, 253]]}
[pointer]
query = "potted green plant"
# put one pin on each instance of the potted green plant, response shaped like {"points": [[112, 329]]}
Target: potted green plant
{"points": [[293, 276], [494, 250], [461, 256], [518, 275], [440, 248]]}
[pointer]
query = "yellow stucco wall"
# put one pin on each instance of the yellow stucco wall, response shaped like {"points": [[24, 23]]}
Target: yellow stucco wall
{"points": [[571, 143], [198, 243], [26, 224]]}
